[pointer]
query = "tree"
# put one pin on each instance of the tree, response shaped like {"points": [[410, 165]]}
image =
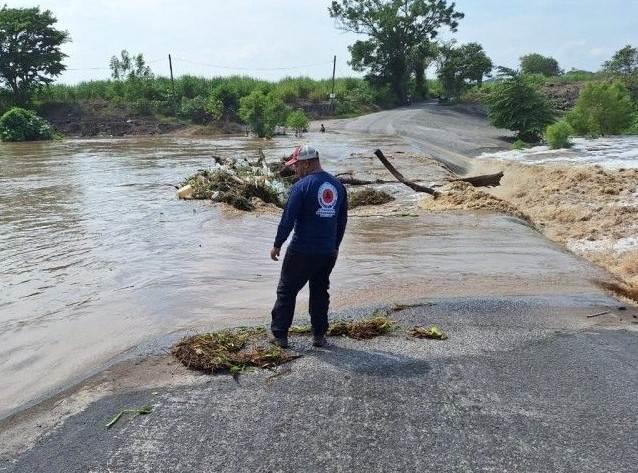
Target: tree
{"points": [[538, 64], [421, 56], [624, 61], [396, 31], [459, 66], [129, 67], [263, 112], [298, 121], [624, 65], [30, 54], [516, 104], [602, 109]]}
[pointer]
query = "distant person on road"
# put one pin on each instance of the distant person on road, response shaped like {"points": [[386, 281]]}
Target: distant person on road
{"points": [[322, 129], [317, 209]]}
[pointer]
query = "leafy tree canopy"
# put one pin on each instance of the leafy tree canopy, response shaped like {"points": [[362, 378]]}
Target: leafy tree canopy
{"points": [[298, 121], [263, 112], [516, 104], [30, 54], [624, 61], [602, 109], [459, 66], [538, 64], [129, 67], [398, 35]]}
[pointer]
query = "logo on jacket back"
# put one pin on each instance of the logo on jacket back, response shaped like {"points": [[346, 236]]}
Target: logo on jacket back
{"points": [[328, 197]]}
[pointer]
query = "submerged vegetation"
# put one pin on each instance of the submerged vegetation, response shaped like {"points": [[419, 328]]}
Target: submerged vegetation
{"points": [[368, 196]]}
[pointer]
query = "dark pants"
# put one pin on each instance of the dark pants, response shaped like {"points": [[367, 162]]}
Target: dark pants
{"points": [[296, 271]]}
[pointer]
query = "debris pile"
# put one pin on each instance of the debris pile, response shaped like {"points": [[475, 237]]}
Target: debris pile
{"points": [[377, 324], [231, 351], [363, 329], [423, 332], [239, 183], [368, 196]]}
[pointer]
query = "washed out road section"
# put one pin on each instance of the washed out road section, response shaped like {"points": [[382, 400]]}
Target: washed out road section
{"points": [[98, 254]]}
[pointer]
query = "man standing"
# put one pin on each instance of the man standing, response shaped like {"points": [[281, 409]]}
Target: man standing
{"points": [[317, 208]]}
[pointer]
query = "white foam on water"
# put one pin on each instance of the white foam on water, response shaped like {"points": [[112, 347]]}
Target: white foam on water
{"points": [[611, 153], [617, 246]]}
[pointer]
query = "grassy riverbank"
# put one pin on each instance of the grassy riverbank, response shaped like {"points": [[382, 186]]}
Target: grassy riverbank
{"points": [[155, 105]]}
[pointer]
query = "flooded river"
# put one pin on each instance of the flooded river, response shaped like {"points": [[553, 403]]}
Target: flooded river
{"points": [[97, 255]]}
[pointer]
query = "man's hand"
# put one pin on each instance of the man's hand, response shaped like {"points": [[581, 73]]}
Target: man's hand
{"points": [[274, 253]]}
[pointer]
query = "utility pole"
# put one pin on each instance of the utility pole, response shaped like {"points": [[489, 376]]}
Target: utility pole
{"points": [[332, 94], [170, 65]]}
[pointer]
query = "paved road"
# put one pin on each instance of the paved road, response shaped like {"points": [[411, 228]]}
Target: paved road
{"points": [[450, 134], [524, 383]]}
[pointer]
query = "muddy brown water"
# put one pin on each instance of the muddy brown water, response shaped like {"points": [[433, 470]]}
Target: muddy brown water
{"points": [[97, 255]]}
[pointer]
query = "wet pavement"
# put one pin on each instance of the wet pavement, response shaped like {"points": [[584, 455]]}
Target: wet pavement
{"points": [[522, 384]]}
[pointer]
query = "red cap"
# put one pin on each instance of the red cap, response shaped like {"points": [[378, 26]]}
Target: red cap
{"points": [[294, 157], [302, 153]]}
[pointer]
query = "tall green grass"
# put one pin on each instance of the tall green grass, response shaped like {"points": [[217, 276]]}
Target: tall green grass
{"points": [[155, 95]]}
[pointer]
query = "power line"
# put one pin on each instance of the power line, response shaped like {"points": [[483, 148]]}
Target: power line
{"points": [[238, 68], [154, 61]]}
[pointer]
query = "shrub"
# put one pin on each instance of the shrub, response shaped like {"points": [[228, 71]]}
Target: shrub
{"points": [[558, 134], [602, 109], [195, 109], [298, 121], [538, 64], [519, 145], [263, 112], [516, 104], [19, 124], [633, 128]]}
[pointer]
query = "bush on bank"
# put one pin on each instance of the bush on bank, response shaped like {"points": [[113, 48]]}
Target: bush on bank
{"points": [[557, 135], [602, 108], [19, 124]]}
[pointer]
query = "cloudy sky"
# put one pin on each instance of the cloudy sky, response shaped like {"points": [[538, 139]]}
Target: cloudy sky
{"points": [[275, 38]]}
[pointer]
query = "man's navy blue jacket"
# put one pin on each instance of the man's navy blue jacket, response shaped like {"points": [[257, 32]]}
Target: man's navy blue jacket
{"points": [[317, 208]]}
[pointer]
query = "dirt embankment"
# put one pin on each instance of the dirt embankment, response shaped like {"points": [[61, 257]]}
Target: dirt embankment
{"points": [[563, 95], [101, 118], [593, 212]]}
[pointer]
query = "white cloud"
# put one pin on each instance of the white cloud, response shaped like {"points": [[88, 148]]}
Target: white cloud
{"points": [[597, 52]]}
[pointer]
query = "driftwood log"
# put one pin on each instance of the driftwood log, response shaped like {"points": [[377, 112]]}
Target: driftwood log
{"points": [[412, 185], [347, 178], [485, 180]]}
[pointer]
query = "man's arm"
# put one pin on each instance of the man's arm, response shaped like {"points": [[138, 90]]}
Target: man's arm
{"points": [[342, 217], [287, 223]]}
